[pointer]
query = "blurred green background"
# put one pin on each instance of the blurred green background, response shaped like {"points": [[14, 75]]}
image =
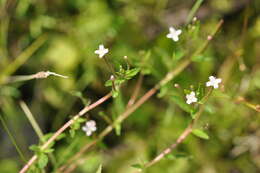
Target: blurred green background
{"points": [[66, 33]]}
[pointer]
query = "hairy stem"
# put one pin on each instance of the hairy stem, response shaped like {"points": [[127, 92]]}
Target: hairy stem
{"points": [[142, 100], [36, 127], [136, 91], [12, 139], [182, 137], [64, 127]]}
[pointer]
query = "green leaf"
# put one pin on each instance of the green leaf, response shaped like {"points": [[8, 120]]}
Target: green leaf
{"points": [[131, 73], [115, 93], [108, 83], [200, 133], [47, 136], [186, 91], [176, 156], [99, 169], [138, 166], [200, 58], [170, 157], [178, 55], [48, 150], [118, 81], [200, 92], [76, 125], [181, 103], [81, 120], [72, 132], [163, 91], [193, 113], [118, 129], [62, 135], [35, 148], [42, 160], [181, 155]]}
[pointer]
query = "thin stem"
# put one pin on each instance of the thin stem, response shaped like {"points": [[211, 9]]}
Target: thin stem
{"points": [[12, 139], [112, 70], [144, 98], [183, 135], [194, 9], [242, 100], [108, 129], [136, 91], [36, 127], [31, 119], [63, 128]]}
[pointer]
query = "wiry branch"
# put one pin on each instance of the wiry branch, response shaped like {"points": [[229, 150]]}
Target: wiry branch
{"points": [[182, 137], [142, 100], [63, 128]]}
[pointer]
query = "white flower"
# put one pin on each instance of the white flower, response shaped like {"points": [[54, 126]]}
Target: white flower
{"points": [[191, 98], [89, 127], [174, 34], [101, 51], [213, 82]]}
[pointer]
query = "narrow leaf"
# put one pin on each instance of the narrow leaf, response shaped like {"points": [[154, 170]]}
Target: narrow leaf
{"points": [[200, 133], [137, 166]]}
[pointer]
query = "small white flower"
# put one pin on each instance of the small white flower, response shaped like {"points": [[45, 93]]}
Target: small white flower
{"points": [[89, 127], [213, 82], [191, 98], [174, 34], [101, 51]]}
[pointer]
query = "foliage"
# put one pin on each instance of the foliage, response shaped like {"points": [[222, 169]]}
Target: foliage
{"points": [[62, 36]]}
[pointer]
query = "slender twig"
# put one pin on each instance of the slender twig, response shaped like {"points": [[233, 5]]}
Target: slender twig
{"points": [[143, 99], [242, 100], [63, 128], [136, 91], [193, 10], [12, 139], [111, 68], [36, 127], [39, 75], [30, 117], [123, 116], [108, 129], [183, 135]]}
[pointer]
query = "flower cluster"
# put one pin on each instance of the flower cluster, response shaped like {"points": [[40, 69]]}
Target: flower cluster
{"points": [[213, 81], [173, 34]]}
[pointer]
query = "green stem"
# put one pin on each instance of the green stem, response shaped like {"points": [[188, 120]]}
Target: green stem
{"points": [[112, 70], [36, 127], [12, 139], [141, 101], [183, 135], [194, 9]]}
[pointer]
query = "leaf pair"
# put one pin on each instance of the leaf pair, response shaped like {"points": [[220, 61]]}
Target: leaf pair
{"points": [[76, 125], [121, 76]]}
